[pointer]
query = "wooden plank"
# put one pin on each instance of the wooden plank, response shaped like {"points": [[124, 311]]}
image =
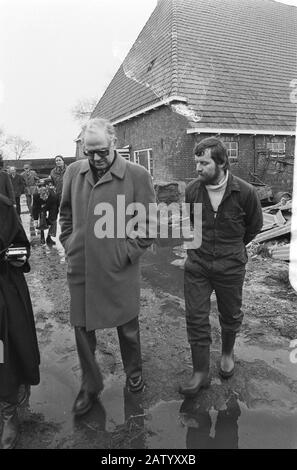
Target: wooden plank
{"points": [[281, 248], [279, 218], [273, 233], [283, 207], [268, 227], [268, 219], [281, 252]]}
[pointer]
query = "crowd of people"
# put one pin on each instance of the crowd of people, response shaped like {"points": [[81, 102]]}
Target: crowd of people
{"points": [[103, 271], [19, 366], [43, 195]]}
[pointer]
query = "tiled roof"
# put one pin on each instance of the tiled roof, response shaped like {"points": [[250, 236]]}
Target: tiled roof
{"points": [[233, 60]]}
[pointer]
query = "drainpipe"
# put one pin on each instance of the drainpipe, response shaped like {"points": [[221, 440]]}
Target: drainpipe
{"points": [[254, 145]]}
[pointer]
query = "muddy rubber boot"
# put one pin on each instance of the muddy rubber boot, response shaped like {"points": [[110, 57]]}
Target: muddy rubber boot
{"points": [[24, 394], [200, 378], [10, 429], [50, 241], [42, 240], [227, 359]]}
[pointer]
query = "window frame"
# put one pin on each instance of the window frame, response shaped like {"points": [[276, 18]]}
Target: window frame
{"points": [[228, 141], [149, 156]]}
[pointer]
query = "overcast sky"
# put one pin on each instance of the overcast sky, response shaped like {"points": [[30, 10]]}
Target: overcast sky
{"points": [[55, 52]]}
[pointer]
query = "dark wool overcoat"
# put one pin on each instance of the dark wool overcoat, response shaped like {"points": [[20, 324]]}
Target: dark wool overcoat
{"points": [[103, 273], [17, 327]]}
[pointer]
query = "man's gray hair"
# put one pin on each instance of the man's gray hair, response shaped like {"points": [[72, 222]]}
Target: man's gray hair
{"points": [[95, 124]]}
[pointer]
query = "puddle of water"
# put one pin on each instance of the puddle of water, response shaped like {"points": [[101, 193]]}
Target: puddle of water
{"points": [[156, 268], [231, 427], [166, 430], [163, 425], [112, 399], [276, 357], [267, 429]]}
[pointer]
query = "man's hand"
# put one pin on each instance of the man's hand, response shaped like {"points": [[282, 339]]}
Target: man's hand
{"points": [[19, 262]]}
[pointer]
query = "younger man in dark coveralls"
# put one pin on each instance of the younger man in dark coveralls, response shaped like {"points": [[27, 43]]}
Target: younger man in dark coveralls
{"points": [[231, 218]]}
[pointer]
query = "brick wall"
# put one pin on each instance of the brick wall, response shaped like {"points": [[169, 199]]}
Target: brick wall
{"points": [[278, 175], [164, 131], [279, 171]]}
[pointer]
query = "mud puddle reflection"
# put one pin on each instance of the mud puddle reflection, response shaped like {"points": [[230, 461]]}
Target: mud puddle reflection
{"points": [[184, 425]]}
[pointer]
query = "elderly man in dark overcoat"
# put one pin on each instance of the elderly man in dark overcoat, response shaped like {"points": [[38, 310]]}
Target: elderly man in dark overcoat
{"points": [[103, 250]]}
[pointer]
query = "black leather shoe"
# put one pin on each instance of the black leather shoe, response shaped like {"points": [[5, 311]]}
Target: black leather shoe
{"points": [[84, 402], [135, 384]]}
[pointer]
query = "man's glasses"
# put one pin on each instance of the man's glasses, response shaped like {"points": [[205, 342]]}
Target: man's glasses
{"points": [[101, 153]]}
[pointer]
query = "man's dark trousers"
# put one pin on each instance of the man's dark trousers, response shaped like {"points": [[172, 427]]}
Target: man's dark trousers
{"points": [[201, 278], [129, 339], [18, 204]]}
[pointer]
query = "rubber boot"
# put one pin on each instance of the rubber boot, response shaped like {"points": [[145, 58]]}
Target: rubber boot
{"points": [[200, 375], [10, 429], [24, 395], [227, 360], [50, 241], [42, 240]]}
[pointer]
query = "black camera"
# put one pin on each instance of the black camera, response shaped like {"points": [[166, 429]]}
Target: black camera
{"points": [[13, 253]]}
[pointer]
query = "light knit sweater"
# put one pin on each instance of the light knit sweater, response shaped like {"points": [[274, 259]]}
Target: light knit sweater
{"points": [[216, 192]]}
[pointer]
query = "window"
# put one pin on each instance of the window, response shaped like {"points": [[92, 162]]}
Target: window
{"points": [[145, 158], [125, 153], [277, 146], [126, 156], [231, 144]]}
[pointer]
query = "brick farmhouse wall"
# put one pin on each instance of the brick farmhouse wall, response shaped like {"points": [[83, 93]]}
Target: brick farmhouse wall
{"points": [[164, 131]]}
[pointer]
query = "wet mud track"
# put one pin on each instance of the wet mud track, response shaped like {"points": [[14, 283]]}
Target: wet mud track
{"points": [[257, 408]]}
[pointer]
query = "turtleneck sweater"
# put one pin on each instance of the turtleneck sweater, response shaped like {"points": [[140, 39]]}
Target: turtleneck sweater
{"points": [[216, 192]]}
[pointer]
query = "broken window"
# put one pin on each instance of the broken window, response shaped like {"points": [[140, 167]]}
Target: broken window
{"points": [[125, 153], [144, 157], [277, 146], [231, 143]]}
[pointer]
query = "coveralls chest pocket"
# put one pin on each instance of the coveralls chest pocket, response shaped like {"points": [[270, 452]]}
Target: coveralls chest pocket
{"points": [[233, 222]]}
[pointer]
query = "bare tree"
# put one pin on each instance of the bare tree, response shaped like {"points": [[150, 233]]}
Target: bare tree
{"points": [[2, 138], [19, 147], [83, 109]]}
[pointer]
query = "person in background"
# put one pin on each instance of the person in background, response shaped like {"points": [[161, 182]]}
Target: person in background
{"points": [[19, 358], [45, 211], [57, 175], [18, 184], [6, 187], [31, 179]]}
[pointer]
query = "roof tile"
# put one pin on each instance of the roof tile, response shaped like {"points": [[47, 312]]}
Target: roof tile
{"points": [[232, 59]]}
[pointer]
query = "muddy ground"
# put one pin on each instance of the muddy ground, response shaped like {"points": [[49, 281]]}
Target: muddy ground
{"points": [[257, 408]]}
